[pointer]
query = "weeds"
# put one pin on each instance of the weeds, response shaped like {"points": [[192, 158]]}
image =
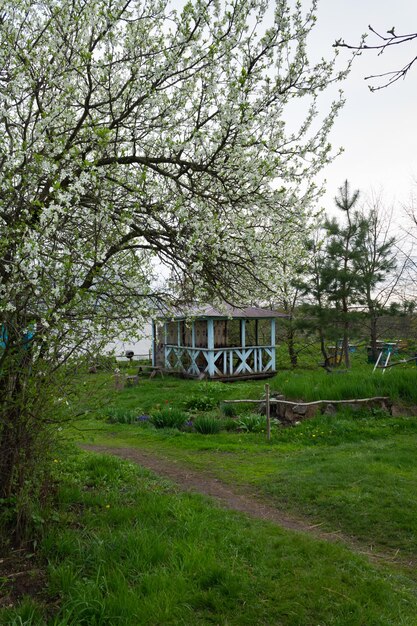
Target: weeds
{"points": [[228, 410], [129, 550], [253, 423], [169, 418], [201, 403], [207, 425], [120, 415]]}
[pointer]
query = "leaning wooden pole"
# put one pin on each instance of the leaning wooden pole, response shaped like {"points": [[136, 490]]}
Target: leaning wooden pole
{"points": [[268, 412]]}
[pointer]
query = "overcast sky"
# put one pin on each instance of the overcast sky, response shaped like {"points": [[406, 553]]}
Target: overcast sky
{"points": [[377, 130]]}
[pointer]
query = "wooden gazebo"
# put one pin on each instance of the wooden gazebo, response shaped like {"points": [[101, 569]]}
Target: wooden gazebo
{"points": [[206, 342]]}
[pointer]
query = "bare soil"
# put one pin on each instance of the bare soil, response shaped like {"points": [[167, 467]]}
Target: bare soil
{"points": [[241, 499], [20, 575]]}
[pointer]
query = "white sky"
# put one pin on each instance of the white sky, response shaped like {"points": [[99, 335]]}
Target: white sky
{"points": [[378, 131]]}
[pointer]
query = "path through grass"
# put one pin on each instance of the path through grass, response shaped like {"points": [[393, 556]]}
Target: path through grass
{"points": [[127, 549]]}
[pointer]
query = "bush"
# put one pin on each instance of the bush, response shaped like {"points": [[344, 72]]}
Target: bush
{"points": [[201, 403], [169, 418], [207, 425], [119, 415], [252, 423], [229, 424], [228, 410]]}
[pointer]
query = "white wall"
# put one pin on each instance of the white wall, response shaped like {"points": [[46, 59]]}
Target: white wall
{"points": [[141, 347]]}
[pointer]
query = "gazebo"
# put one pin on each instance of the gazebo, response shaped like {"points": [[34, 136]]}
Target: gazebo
{"points": [[225, 344]]}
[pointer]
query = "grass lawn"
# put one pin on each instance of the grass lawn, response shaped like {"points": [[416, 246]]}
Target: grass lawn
{"points": [[351, 472], [125, 548]]}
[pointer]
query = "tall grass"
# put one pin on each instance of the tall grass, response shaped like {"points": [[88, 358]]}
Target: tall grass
{"points": [[127, 550], [398, 384]]}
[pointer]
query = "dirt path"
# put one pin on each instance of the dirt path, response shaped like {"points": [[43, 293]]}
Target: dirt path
{"points": [[239, 499]]}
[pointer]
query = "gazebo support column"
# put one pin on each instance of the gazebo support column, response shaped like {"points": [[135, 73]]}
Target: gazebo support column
{"points": [[166, 349], [210, 346]]}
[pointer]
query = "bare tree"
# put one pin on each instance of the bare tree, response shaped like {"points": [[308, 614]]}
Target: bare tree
{"points": [[382, 43], [379, 265]]}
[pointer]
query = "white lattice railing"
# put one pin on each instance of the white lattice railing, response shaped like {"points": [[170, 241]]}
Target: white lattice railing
{"points": [[220, 361]]}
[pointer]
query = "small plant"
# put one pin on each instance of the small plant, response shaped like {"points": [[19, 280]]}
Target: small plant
{"points": [[207, 425], [143, 419], [168, 418], [228, 410], [201, 403], [230, 424], [119, 415], [252, 423]]}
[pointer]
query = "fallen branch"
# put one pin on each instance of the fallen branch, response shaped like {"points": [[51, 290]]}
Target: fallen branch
{"points": [[292, 403]]}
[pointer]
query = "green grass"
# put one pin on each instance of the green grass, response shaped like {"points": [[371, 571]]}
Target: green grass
{"points": [[125, 548], [399, 384], [96, 393], [353, 472]]}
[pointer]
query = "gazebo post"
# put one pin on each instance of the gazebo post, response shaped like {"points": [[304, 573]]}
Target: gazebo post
{"points": [[243, 333], [193, 334], [273, 343], [165, 344], [210, 346]]}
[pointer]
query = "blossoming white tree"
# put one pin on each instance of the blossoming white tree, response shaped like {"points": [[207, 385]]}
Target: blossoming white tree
{"points": [[132, 135]]}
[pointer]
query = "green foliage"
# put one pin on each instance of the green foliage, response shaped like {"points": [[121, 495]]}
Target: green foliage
{"points": [[228, 410], [253, 423], [120, 415], [230, 424], [128, 549], [201, 403], [169, 417], [207, 396], [206, 425]]}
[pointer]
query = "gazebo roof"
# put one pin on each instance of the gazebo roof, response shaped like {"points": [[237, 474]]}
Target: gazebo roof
{"points": [[225, 312]]}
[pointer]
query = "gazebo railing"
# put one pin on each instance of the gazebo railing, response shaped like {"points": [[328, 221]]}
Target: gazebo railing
{"points": [[220, 362]]}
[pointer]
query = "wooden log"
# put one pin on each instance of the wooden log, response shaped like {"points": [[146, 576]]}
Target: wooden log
{"points": [[315, 402]]}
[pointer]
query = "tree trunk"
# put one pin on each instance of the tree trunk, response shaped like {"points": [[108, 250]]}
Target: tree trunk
{"points": [[323, 349], [22, 429], [346, 334], [291, 346], [374, 335]]}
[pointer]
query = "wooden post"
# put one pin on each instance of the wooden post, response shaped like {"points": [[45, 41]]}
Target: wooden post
{"points": [[118, 380], [210, 347], [268, 413], [193, 335]]}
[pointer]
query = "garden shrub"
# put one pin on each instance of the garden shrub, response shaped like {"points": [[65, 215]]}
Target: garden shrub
{"points": [[201, 403], [120, 415], [252, 423], [230, 424], [207, 425], [228, 410], [169, 418]]}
